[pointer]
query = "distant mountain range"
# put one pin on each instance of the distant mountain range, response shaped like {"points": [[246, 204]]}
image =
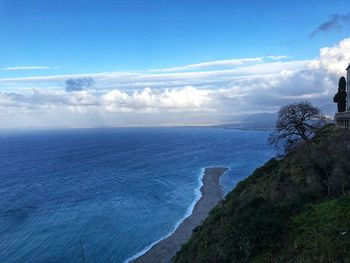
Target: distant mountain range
{"points": [[264, 121], [267, 121]]}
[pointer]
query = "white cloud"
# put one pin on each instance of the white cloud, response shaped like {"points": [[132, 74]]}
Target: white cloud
{"points": [[199, 93], [333, 59], [188, 98]]}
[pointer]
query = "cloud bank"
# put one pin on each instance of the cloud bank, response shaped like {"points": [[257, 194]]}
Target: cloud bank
{"points": [[201, 93]]}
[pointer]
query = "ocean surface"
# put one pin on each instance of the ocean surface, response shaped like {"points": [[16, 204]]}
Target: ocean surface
{"points": [[112, 192]]}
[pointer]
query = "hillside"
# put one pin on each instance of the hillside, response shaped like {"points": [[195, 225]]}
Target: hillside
{"points": [[296, 209]]}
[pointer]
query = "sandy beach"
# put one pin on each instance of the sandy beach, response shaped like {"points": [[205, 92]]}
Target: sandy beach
{"points": [[212, 193]]}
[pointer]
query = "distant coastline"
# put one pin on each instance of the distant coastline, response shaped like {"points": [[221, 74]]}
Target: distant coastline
{"points": [[211, 194]]}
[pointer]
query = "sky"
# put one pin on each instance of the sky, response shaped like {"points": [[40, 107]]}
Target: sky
{"points": [[93, 63]]}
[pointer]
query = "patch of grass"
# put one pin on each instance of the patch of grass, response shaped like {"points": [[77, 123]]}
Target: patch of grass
{"points": [[321, 233]]}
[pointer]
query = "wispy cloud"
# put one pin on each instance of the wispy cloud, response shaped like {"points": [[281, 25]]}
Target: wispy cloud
{"points": [[212, 77], [335, 22], [27, 68], [220, 64]]}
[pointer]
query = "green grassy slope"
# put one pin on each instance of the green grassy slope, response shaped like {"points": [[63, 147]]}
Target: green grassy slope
{"points": [[290, 210]]}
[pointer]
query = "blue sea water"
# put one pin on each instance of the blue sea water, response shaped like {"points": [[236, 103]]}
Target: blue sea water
{"points": [[116, 191]]}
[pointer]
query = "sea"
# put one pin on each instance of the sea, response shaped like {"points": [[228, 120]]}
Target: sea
{"points": [[107, 195]]}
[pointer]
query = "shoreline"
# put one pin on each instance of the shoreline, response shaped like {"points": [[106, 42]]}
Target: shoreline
{"points": [[211, 193]]}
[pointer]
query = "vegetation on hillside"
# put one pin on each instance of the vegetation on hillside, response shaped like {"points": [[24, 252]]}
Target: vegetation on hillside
{"points": [[295, 209]]}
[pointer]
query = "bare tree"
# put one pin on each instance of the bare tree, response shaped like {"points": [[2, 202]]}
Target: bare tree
{"points": [[296, 123]]}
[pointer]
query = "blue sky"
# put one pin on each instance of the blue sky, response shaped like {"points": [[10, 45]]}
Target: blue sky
{"points": [[87, 63], [98, 35]]}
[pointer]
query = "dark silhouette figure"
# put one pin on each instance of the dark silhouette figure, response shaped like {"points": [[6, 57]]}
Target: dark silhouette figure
{"points": [[340, 97]]}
